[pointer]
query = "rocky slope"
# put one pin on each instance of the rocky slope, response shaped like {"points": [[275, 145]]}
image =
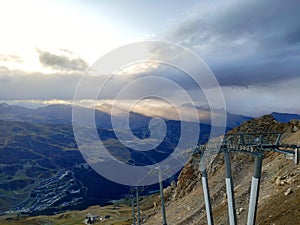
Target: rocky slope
{"points": [[279, 200]]}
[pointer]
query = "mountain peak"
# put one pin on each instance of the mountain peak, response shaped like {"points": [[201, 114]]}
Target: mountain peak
{"points": [[285, 117], [4, 105]]}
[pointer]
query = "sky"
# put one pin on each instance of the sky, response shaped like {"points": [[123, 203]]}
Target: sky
{"points": [[251, 46]]}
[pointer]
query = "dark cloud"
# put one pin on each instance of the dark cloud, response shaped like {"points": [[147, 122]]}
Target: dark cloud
{"points": [[257, 71], [18, 85], [246, 42], [64, 61]]}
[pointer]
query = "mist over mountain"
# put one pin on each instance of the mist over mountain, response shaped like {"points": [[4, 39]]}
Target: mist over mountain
{"points": [[232, 120], [62, 114]]}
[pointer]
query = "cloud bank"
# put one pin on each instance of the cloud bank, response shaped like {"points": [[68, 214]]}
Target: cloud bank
{"points": [[245, 42]]}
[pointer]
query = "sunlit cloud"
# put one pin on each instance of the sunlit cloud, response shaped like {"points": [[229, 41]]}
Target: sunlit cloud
{"points": [[138, 68], [155, 108]]}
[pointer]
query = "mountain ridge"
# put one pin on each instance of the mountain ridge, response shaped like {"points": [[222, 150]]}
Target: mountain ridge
{"points": [[285, 117], [62, 114]]}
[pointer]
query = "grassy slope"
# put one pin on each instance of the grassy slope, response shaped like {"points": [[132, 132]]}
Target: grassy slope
{"points": [[120, 216]]}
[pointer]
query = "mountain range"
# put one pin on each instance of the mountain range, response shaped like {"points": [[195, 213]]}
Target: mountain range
{"points": [[38, 150], [285, 117], [62, 114]]}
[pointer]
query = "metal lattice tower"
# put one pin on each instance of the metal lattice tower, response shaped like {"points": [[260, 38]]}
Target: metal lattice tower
{"points": [[254, 144]]}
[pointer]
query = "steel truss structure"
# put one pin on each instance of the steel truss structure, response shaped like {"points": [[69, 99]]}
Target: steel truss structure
{"points": [[254, 144]]}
